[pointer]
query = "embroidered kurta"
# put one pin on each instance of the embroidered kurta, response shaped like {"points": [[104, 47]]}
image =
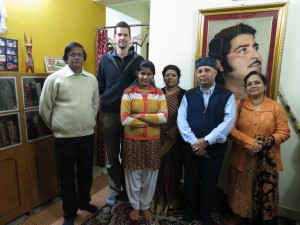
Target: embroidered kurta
{"points": [[270, 120]]}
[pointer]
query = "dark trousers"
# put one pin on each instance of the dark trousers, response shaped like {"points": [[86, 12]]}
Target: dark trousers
{"points": [[201, 176], [75, 156], [113, 131]]}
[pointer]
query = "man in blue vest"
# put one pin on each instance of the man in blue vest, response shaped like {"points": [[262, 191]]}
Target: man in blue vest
{"points": [[205, 117]]}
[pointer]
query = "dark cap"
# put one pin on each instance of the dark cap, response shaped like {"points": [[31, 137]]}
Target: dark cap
{"points": [[206, 61]]}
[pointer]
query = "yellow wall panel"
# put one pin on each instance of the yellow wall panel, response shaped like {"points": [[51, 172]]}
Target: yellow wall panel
{"points": [[52, 24]]}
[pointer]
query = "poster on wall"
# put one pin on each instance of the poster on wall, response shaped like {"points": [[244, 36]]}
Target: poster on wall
{"points": [[8, 55], [221, 29]]}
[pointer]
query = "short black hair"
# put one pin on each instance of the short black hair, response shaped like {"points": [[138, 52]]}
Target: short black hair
{"points": [[124, 25], [69, 47], [220, 45], [171, 67], [262, 77]]}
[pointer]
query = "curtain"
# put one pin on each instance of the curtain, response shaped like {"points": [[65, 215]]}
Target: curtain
{"points": [[101, 45], [101, 49]]}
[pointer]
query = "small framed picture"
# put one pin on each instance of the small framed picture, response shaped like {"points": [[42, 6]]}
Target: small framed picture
{"points": [[53, 64], [8, 54]]}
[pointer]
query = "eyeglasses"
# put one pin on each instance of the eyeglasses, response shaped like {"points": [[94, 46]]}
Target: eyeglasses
{"points": [[79, 55], [255, 83]]}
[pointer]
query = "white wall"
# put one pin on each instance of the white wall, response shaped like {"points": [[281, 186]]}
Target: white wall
{"points": [[172, 41]]}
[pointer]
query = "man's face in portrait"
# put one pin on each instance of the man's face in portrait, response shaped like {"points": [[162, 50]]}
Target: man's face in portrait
{"points": [[243, 56]]}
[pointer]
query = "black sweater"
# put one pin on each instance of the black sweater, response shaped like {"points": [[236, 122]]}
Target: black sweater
{"points": [[114, 76]]}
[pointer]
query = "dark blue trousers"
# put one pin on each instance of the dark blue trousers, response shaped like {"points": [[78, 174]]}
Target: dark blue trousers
{"points": [[75, 157], [201, 176]]}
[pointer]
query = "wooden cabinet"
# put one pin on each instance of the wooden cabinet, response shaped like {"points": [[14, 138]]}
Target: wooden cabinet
{"points": [[28, 165]]}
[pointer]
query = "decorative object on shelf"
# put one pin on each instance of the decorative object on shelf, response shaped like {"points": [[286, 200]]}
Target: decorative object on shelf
{"points": [[8, 55], [3, 16], [53, 64], [269, 21], [29, 59]]}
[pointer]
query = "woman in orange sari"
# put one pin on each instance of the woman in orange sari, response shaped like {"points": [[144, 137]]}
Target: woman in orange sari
{"points": [[260, 127]]}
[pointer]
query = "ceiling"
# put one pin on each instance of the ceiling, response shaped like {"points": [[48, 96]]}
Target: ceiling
{"points": [[121, 2]]}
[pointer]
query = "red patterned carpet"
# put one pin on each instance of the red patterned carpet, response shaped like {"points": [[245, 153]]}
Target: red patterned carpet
{"points": [[119, 215]]}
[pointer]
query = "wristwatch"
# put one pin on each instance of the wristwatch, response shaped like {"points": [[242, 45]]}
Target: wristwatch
{"points": [[206, 142]]}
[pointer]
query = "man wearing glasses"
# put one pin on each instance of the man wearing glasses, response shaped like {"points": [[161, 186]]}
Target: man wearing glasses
{"points": [[68, 105]]}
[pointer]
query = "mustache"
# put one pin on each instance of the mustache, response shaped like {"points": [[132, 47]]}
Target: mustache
{"points": [[256, 61]]}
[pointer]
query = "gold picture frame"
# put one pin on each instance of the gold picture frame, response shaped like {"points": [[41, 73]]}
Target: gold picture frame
{"points": [[269, 20], [53, 64]]}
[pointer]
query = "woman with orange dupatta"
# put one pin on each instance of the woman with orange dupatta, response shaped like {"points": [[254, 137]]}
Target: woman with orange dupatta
{"points": [[261, 126]]}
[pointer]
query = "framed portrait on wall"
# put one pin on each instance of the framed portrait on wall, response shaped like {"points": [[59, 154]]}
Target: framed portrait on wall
{"points": [[218, 28], [8, 55]]}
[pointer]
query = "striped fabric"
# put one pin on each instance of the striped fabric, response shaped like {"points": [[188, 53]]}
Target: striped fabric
{"points": [[153, 108]]}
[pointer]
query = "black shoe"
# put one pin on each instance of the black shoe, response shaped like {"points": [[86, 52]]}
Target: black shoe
{"points": [[90, 208], [68, 221]]}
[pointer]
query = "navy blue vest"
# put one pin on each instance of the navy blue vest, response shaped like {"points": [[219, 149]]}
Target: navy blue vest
{"points": [[203, 120]]}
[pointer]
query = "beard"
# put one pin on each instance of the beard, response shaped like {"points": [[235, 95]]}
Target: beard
{"points": [[122, 47]]}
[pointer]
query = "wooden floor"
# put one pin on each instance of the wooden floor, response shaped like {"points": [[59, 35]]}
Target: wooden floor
{"points": [[54, 214]]}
